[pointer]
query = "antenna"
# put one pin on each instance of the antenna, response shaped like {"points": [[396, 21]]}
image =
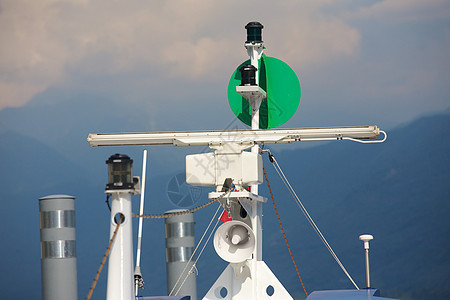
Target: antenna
{"points": [[138, 282], [366, 238]]}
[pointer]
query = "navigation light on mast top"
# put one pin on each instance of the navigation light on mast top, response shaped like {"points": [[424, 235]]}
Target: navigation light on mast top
{"points": [[254, 32], [120, 172]]}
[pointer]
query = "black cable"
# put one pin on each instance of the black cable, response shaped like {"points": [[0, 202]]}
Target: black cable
{"points": [[107, 202]]}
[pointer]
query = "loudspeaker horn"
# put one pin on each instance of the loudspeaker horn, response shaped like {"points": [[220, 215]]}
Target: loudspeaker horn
{"points": [[234, 241]]}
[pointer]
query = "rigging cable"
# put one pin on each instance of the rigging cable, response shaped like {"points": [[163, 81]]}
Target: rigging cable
{"points": [[192, 256], [200, 254], [104, 258], [201, 239], [282, 230], [163, 216], [107, 202], [308, 217]]}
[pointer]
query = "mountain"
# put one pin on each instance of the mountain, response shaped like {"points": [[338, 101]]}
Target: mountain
{"points": [[397, 191], [62, 121]]}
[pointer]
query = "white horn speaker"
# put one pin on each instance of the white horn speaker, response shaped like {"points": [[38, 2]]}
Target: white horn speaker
{"points": [[234, 241]]}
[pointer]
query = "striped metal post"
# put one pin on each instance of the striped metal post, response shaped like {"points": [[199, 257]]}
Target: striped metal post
{"points": [[180, 245], [58, 247]]}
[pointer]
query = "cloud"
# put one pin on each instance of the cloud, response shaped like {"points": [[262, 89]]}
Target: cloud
{"points": [[46, 42], [398, 11], [390, 52], [29, 58]]}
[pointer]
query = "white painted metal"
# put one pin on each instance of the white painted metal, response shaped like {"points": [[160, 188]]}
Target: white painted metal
{"points": [[251, 91], [120, 266], [238, 195], [254, 51], [137, 270], [366, 238], [251, 278], [242, 137], [201, 169], [256, 215], [211, 169], [235, 284], [254, 95], [141, 208], [234, 241]]}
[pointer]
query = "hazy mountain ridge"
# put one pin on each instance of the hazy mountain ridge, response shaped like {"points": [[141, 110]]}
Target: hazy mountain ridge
{"points": [[397, 191]]}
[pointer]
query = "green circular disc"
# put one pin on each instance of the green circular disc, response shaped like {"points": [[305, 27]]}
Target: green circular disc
{"points": [[283, 93]]}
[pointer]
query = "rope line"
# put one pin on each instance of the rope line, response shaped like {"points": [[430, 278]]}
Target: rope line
{"points": [[195, 250], [308, 217], [164, 216], [284, 234], [104, 258]]}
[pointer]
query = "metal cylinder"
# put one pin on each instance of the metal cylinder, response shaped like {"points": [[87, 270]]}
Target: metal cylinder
{"points": [[58, 247], [180, 245], [366, 238], [366, 256]]}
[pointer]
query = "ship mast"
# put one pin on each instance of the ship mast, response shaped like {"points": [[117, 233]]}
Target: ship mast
{"points": [[238, 241]]}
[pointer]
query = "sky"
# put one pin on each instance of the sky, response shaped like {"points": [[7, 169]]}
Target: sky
{"points": [[357, 60]]}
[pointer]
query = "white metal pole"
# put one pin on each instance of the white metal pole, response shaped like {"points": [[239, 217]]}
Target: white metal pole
{"points": [[137, 270], [120, 266], [141, 209], [366, 255], [254, 54], [366, 238], [256, 205]]}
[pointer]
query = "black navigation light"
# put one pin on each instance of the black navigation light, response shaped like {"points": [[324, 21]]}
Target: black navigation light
{"points": [[254, 32], [248, 75], [120, 172]]}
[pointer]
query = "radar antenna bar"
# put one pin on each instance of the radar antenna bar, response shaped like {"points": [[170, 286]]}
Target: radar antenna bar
{"points": [[243, 137]]}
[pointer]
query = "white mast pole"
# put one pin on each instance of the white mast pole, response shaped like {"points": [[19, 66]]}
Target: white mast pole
{"points": [[120, 267], [256, 205], [255, 50]]}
